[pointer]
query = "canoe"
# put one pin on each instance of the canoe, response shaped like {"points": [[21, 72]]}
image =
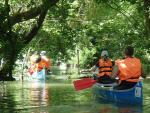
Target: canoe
{"points": [[38, 75], [133, 96]]}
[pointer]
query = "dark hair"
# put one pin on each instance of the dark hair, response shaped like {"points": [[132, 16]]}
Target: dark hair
{"points": [[38, 59], [129, 51]]}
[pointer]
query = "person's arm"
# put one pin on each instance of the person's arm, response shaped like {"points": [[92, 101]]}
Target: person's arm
{"points": [[92, 69], [142, 73], [113, 63], [89, 70], [114, 72]]}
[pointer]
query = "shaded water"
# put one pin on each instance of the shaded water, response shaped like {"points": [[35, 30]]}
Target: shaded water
{"points": [[59, 96]]}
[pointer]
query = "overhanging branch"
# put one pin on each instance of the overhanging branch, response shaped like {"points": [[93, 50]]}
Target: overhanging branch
{"points": [[24, 16], [41, 18], [27, 15], [36, 28]]}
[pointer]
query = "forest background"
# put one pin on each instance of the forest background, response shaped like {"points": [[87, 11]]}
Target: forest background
{"points": [[72, 29]]}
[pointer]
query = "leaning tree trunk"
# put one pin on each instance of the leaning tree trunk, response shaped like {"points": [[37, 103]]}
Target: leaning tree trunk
{"points": [[8, 49], [6, 71]]}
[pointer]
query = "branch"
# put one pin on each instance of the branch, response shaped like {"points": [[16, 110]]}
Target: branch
{"points": [[36, 28], [16, 18], [42, 16], [30, 14], [120, 12], [33, 12], [132, 17]]}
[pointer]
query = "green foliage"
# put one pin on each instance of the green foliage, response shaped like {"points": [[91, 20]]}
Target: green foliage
{"points": [[84, 25], [2, 13], [116, 24], [58, 36]]}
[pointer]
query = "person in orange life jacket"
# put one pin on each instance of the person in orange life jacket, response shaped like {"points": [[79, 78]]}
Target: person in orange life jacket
{"points": [[104, 66], [44, 62], [128, 70]]}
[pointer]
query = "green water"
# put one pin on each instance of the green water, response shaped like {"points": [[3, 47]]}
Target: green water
{"points": [[59, 96]]}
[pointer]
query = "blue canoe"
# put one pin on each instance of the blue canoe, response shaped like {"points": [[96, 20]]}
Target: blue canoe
{"points": [[38, 75], [133, 96]]}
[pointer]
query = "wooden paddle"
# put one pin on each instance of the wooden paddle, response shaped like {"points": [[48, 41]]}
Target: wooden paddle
{"points": [[84, 83]]}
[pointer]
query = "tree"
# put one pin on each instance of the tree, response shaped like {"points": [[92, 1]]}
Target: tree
{"points": [[116, 24], [11, 41]]}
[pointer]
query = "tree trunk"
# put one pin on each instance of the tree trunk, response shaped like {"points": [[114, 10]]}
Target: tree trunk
{"points": [[9, 56]]}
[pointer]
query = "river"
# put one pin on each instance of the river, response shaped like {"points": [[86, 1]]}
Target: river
{"points": [[59, 96]]}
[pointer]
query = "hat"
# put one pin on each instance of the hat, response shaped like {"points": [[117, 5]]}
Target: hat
{"points": [[43, 53], [104, 53]]}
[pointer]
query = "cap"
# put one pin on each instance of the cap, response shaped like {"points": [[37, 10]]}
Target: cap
{"points": [[43, 53]]}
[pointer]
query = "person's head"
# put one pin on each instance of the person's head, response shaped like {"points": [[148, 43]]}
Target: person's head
{"points": [[38, 59], [104, 54], [43, 53], [35, 58], [129, 51]]}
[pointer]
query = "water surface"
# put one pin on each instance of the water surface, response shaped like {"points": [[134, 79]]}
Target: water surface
{"points": [[59, 96]]}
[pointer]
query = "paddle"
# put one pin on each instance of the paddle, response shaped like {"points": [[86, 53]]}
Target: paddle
{"points": [[84, 83]]}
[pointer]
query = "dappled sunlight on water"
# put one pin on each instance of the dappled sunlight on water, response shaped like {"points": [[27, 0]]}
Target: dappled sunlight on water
{"points": [[59, 97], [146, 106]]}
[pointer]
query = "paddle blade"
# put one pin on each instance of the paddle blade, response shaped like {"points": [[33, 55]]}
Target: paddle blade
{"points": [[84, 83]]}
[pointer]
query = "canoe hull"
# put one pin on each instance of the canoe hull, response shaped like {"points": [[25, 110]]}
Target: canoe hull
{"points": [[132, 96], [38, 75]]}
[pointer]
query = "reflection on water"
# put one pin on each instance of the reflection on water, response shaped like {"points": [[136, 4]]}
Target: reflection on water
{"points": [[56, 96], [38, 94], [110, 107], [130, 109]]}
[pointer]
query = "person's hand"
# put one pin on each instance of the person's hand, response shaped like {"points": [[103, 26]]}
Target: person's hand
{"points": [[84, 71], [143, 76]]}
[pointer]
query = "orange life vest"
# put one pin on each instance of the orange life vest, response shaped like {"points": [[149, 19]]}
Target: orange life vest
{"points": [[129, 69], [105, 67], [42, 64], [48, 62]]}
